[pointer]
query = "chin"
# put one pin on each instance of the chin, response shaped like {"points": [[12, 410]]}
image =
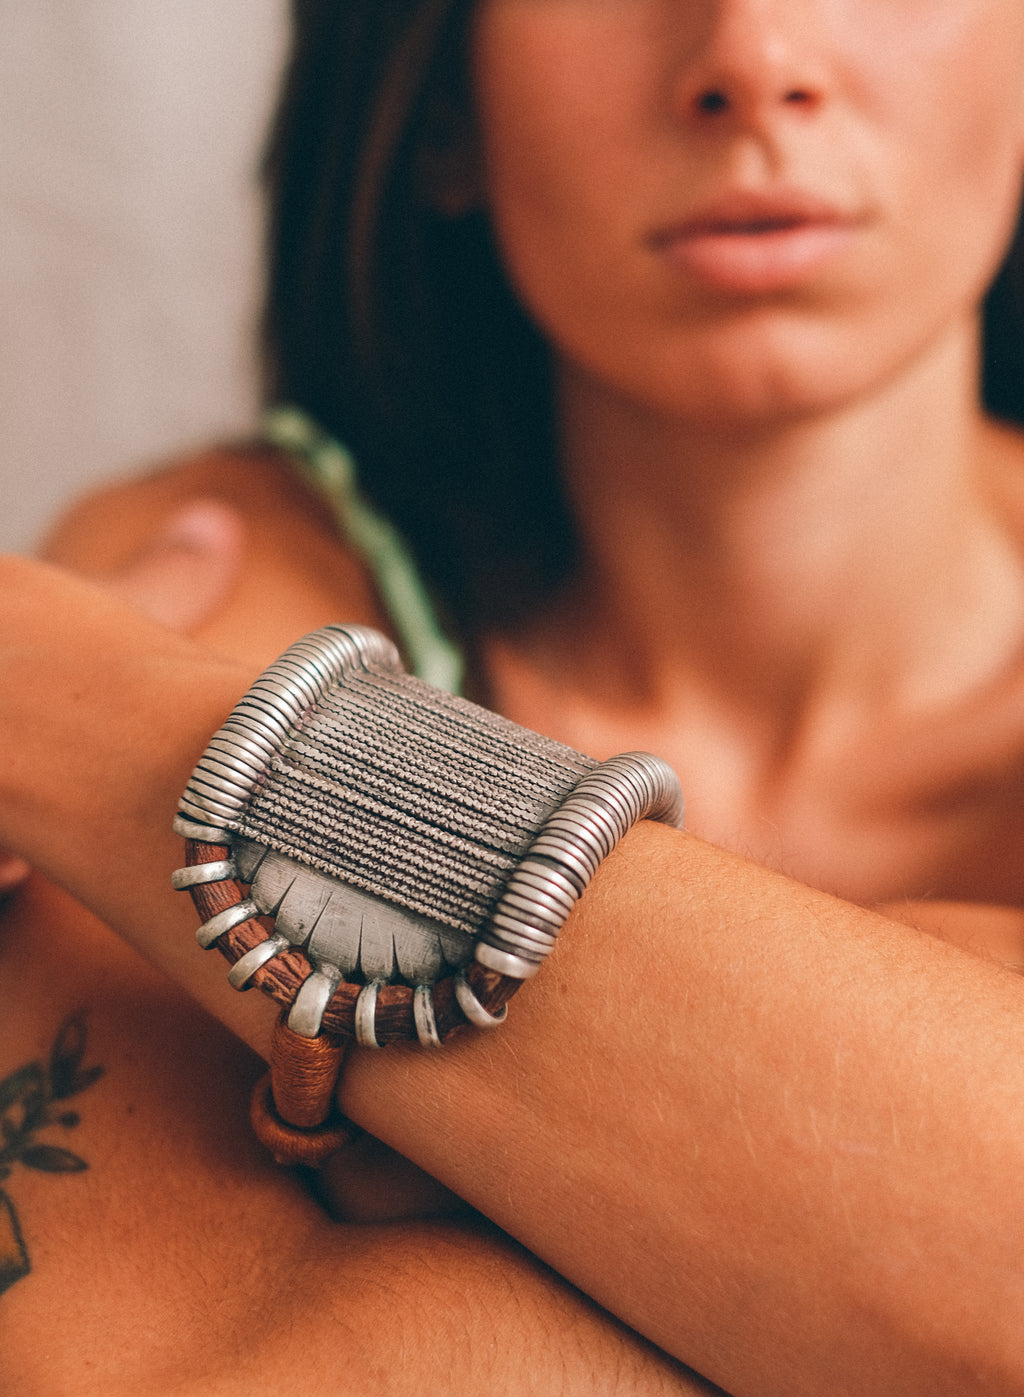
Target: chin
{"points": [[761, 396], [757, 376]]}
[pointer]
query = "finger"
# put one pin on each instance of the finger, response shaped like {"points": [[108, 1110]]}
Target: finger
{"points": [[187, 569]]}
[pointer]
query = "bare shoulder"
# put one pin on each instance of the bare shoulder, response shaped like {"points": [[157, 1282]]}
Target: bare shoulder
{"points": [[288, 570], [104, 528]]}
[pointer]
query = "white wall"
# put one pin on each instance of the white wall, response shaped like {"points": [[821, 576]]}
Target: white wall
{"points": [[129, 235]]}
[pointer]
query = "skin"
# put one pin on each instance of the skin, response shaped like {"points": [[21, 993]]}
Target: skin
{"points": [[826, 1203]]}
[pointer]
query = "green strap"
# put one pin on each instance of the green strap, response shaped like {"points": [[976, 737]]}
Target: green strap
{"points": [[328, 466]]}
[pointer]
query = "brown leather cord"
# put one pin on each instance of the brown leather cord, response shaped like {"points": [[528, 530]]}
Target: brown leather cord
{"points": [[304, 1072], [282, 977], [288, 1143], [293, 1110]]}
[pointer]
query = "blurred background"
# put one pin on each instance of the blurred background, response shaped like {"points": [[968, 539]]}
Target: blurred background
{"points": [[131, 133]]}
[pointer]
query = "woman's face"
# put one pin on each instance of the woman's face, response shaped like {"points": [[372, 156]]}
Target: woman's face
{"points": [[747, 207]]}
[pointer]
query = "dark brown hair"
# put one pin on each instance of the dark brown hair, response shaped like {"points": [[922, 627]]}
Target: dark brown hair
{"points": [[395, 327]]}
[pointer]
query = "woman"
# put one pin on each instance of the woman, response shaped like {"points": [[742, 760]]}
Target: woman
{"points": [[754, 240]]}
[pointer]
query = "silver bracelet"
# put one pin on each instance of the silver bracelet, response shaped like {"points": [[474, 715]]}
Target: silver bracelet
{"points": [[410, 846]]}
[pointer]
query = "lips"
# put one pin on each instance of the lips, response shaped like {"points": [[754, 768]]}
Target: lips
{"points": [[748, 244]]}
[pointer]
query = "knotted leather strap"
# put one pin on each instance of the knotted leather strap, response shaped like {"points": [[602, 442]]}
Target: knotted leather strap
{"points": [[293, 1108]]}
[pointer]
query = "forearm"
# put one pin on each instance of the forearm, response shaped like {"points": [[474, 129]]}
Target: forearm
{"points": [[793, 1126]]}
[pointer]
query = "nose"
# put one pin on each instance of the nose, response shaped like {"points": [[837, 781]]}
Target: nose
{"points": [[748, 59]]}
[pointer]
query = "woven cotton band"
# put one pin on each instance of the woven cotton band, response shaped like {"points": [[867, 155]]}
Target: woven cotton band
{"points": [[417, 853]]}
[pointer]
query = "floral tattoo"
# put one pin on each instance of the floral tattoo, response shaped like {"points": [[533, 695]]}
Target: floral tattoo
{"points": [[32, 1100]]}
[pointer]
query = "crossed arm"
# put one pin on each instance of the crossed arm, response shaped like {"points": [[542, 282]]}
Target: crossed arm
{"points": [[180, 1258], [775, 1134]]}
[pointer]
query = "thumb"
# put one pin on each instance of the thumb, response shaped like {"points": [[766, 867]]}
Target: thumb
{"points": [[186, 569]]}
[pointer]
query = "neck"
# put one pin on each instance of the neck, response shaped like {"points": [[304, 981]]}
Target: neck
{"points": [[851, 557]]}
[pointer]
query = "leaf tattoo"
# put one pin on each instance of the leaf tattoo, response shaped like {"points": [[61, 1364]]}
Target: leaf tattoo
{"points": [[30, 1101], [67, 1077]]}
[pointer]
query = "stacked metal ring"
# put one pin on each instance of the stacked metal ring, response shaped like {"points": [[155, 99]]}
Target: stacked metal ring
{"points": [[566, 853], [510, 945], [240, 753]]}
